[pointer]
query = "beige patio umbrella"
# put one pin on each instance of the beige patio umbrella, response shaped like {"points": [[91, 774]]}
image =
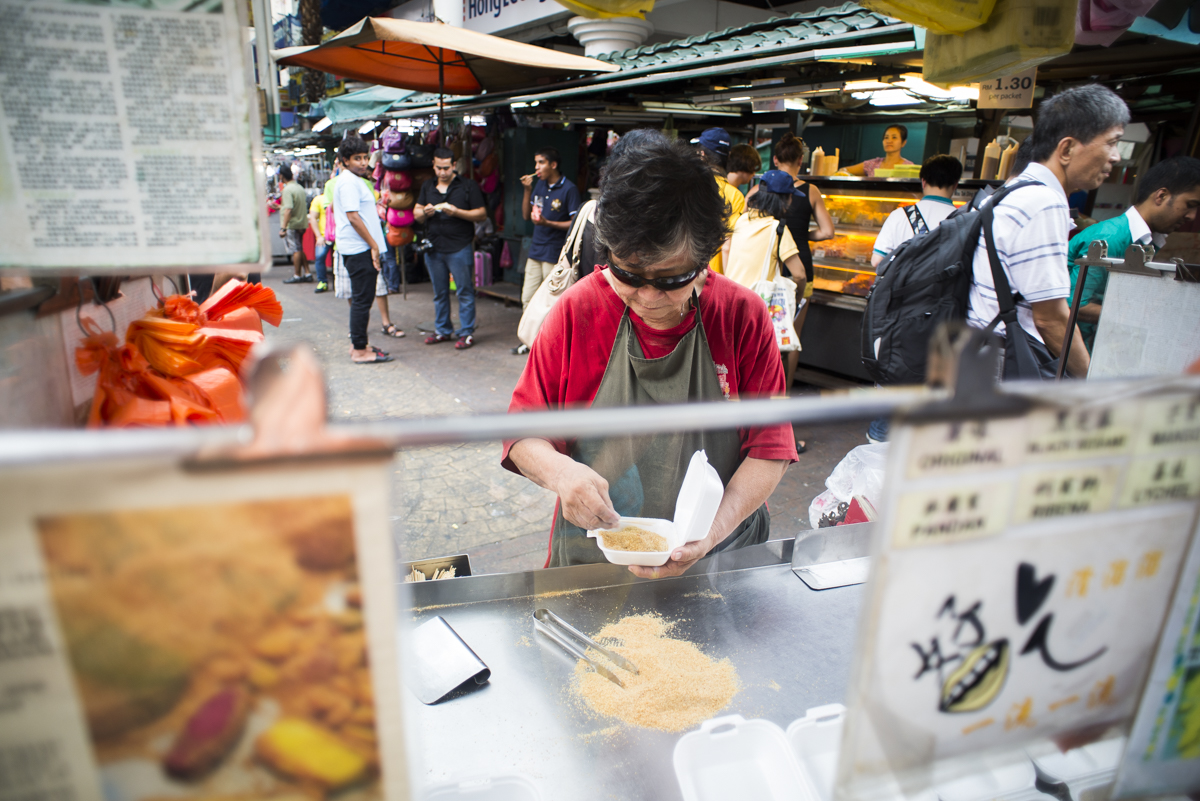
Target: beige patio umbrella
{"points": [[435, 57]]}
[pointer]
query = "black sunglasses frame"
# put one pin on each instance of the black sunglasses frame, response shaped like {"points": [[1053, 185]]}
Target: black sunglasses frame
{"points": [[668, 284]]}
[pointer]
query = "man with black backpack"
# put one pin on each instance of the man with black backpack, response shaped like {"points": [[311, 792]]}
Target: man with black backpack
{"points": [[1002, 261], [1073, 147]]}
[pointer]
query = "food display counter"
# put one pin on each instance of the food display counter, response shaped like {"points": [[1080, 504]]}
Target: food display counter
{"points": [[842, 272], [791, 647]]}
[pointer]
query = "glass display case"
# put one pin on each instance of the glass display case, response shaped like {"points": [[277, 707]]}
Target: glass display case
{"points": [[842, 272], [842, 265]]}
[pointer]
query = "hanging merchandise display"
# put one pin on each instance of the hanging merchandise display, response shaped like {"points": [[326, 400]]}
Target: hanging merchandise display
{"points": [[1018, 35], [1101, 22], [936, 16]]}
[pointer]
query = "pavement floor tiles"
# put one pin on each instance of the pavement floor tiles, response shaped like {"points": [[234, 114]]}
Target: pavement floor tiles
{"points": [[453, 499]]}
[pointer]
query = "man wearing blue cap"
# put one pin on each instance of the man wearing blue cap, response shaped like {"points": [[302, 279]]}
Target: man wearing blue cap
{"points": [[714, 147]]}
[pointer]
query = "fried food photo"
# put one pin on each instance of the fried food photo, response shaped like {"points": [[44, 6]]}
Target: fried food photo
{"points": [[222, 644]]}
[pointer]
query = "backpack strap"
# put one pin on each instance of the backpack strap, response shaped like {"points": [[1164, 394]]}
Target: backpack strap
{"points": [[916, 219], [1004, 294]]}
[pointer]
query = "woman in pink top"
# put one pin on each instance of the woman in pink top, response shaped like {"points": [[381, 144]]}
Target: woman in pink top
{"points": [[893, 142]]}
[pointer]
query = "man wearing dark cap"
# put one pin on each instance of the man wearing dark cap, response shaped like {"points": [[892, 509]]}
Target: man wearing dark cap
{"points": [[714, 147]]}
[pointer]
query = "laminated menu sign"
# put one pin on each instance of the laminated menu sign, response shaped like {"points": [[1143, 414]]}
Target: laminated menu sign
{"points": [[126, 137], [1163, 757], [167, 634], [1023, 569]]}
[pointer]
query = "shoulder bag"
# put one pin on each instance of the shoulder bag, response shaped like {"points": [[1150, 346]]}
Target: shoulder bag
{"points": [[565, 273], [780, 296]]}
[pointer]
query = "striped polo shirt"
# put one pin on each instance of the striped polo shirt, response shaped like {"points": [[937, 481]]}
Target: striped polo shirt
{"points": [[1031, 231]]}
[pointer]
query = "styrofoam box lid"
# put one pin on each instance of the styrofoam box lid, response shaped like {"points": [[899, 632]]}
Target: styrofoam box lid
{"points": [[699, 497], [734, 758], [815, 739], [507, 787]]}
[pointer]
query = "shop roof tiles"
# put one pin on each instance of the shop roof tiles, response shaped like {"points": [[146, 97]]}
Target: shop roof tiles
{"points": [[777, 32]]}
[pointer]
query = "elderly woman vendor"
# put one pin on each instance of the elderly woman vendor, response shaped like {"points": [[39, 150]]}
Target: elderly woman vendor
{"points": [[653, 326]]}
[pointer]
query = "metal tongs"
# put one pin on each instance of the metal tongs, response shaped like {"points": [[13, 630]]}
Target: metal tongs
{"points": [[560, 630]]}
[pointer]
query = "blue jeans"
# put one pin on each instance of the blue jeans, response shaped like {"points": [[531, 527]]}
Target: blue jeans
{"points": [[387, 266], [460, 264], [319, 251]]}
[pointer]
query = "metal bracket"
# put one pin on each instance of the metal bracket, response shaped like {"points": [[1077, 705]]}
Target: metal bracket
{"points": [[969, 360], [837, 556]]}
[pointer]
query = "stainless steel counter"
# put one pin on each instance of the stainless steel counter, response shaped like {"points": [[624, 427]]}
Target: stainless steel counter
{"points": [[791, 646]]}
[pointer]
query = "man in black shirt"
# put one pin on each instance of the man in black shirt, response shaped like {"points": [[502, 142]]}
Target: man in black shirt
{"points": [[450, 205]]}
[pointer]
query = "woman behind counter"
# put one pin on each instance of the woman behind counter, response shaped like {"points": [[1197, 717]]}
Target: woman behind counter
{"points": [[807, 205], [653, 325], [893, 143]]}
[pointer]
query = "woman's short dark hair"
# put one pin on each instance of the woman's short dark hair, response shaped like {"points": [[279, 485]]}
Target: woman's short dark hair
{"points": [[942, 171], [789, 149], [443, 153], [352, 146], [1082, 113], [658, 200], [769, 203], [743, 158], [903, 131], [1176, 175]]}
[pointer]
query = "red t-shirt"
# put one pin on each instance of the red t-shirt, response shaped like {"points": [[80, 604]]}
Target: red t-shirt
{"points": [[572, 349]]}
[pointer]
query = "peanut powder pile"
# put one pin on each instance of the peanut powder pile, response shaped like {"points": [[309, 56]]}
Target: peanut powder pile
{"points": [[632, 538], [677, 685]]}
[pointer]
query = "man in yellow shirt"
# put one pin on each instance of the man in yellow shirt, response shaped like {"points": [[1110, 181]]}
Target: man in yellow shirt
{"points": [[714, 148]]}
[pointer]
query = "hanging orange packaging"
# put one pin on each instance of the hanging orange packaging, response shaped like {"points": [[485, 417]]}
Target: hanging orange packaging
{"points": [[181, 361]]}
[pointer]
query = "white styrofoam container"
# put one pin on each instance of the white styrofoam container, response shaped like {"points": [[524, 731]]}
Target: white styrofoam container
{"points": [[507, 787], [734, 758], [816, 738], [1089, 771], [695, 509]]}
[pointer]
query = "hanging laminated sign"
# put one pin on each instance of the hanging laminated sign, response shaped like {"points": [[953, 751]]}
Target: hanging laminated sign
{"points": [[1163, 757], [128, 138], [168, 633], [1019, 582]]}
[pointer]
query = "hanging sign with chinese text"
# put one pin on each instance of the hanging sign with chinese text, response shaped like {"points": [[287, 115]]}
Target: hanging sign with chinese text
{"points": [[1021, 576]]}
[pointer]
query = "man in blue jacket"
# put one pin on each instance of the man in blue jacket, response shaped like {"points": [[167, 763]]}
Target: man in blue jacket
{"points": [[1168, 196]]}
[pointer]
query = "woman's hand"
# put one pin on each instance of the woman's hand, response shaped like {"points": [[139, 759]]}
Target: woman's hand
{"points": [[582, 491], [584, 496], [681, 559]]}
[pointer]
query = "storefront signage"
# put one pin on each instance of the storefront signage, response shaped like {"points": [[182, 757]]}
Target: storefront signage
{"points": [[126, 138], [1009, 91], [499, 16]]}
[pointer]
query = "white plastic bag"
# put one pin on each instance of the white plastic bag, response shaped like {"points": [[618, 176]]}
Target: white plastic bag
{"points": [[860, 472]]}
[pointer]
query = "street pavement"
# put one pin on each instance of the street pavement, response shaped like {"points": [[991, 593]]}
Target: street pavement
{"points": [[457, 499]]}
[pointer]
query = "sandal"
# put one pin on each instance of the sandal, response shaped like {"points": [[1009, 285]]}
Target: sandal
{"points": [[392, 331], [379, 358], [801, 446], [433, 339], [465, 342]]}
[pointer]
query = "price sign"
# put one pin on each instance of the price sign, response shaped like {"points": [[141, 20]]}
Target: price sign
{"points": [[1009, 91]]}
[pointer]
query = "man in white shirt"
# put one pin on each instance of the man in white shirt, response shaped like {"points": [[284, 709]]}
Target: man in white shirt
{"points": [[359, 240], [939, 180], [1073, 147]]}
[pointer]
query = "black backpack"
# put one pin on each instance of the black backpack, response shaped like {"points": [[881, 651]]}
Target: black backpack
{"points": [[922, 283]]}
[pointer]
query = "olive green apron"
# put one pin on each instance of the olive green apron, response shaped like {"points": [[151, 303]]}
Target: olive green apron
{"points": [[686, 375]]}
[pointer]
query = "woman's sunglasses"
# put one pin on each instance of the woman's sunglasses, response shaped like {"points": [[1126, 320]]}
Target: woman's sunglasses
{"points": [[666, 284]]}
